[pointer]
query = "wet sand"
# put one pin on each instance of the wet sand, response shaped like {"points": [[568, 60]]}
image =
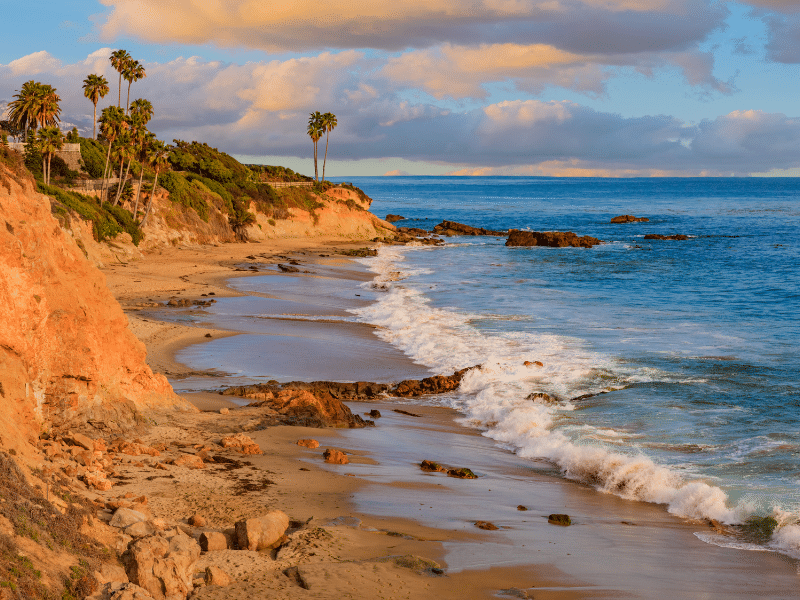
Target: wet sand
{"points": [[614, 549]]}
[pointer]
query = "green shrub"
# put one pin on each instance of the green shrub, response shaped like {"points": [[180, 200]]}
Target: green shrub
{"points": [[182, 192], [93, 156]]}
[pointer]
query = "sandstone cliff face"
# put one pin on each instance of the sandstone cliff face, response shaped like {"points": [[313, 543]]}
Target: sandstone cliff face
{"points": [[67, 357]]}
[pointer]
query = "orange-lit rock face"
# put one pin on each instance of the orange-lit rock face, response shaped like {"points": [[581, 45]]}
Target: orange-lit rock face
{"points": [[66, 353]]}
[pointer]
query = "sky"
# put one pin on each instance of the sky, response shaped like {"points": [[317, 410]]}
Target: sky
{"points": [[433, 87]]}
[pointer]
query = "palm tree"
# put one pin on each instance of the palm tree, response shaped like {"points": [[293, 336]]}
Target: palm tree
{"points": [[94, 88], [158, 157], [119, 60], [136, 135], [36, 104], [112, 122], [121, 151], [147, 140], [315, 132], [142, 108], [328, 125], [133, 72], [50, 140]]}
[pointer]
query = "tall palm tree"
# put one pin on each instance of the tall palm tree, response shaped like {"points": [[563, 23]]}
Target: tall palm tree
{"points": [[136, 135], [112, 122], [48, 111], [22, 110], [49, 140], [94, 88], [119, 60], [158, 157], [146, 140], [315, 132], [122, 151], [328, 124], [143, 108], [133, 72]]}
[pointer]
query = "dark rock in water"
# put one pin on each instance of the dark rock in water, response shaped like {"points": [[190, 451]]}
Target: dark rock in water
{"points": [[541, 397], [486, 525], [462, 473], [429, 465], [394, 218], [453, 228], [522, 507], [629, 219], [658, 236], [405, 412], [552, 239], [374, 413], [288, 269], [437, 384], [758, 529], [557, 519]]}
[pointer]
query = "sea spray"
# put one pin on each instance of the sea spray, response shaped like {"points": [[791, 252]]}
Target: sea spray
{"points": [[497, 397]]}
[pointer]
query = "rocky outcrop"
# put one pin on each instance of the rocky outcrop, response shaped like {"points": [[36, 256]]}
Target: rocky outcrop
{"points": [[452, 228], [552, 239], [67, 357], [438, 384], [394, 218], [658, 236], [262, 533], [629, 219], [163, 564], [301, 407]]}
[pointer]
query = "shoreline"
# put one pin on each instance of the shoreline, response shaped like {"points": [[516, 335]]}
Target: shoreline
{"points": [[165, 346]]}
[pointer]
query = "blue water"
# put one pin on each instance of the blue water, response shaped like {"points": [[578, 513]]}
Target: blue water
{"points": [[689, 349]]}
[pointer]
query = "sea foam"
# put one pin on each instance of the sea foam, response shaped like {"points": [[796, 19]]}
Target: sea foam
{"points": [[494, 398]]}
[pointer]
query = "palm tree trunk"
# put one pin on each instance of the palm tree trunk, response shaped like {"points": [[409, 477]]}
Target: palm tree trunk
{"points": [[138, 193], [122, 182], [316, 173], [326, 157], [44, 168], [119, 97], [105, 173], [94, 123], [128, 102], [149, 202], [49, 158]]}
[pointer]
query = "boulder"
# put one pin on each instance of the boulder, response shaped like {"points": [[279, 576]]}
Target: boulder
{"points": [[190, 461], [196, 520], [522, 507], [658, 236], [308, 443], [374, 413], [486, 525], [163, 564], [541, 397], [224, 411], [78, 439], [432, 466], [462, 473], [124, 591], [559, 519], [216, 576], [140, 529], [241, 443], [262, 533], [552, 239], [304, 408], [535, 363], [395, 218], [437, 384], [452, 228], [336, 457], [125, 517], [629, 219], [211, 541], [288, 269]]}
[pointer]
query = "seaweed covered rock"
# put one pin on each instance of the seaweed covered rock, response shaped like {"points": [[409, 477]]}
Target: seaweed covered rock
{"points": [[452, 228], [302, 407], [437, 384], [629, 219]]}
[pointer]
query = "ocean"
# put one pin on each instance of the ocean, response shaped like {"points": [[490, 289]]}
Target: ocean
{"points": [[670, 368]]}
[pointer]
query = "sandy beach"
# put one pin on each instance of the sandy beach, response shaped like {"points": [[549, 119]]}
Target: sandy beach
{"points": [[379, 527]]}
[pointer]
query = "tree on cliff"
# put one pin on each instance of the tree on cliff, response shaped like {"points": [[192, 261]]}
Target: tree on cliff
{"points": [[94, 88], [141, 113], [134, 71], [36, 105], [49, 141], [328, 122], [158, 157], [119, 60], [315, 132], [112, 123]]}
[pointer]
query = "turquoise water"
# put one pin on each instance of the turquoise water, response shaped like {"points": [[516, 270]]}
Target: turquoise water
{"points": [[687, 350]]}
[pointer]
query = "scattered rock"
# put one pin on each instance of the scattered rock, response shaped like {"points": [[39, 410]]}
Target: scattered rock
{"points": [[557, 519], [462, 473], [536, 363], [78, 439], [336, 457], [241, 443], [553, 239], [360, 252], [308, 443], [486, 525], [452, 228], [125, 591], [163, 564], [302, 407], [196, 520], [541, 397], [405, 412], [140, 529], [125, 517], [262, 533], [629, 219], [211, 541], [429, 465], [522, 507], [224, 411], [288, 268], [190, 461], [437, 384], [394, 218], [658, 236], [216, 576]]}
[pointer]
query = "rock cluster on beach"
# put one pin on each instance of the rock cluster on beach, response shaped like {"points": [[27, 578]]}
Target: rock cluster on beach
{"points": [[552, 239], [629, 219], [450, 228]]}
